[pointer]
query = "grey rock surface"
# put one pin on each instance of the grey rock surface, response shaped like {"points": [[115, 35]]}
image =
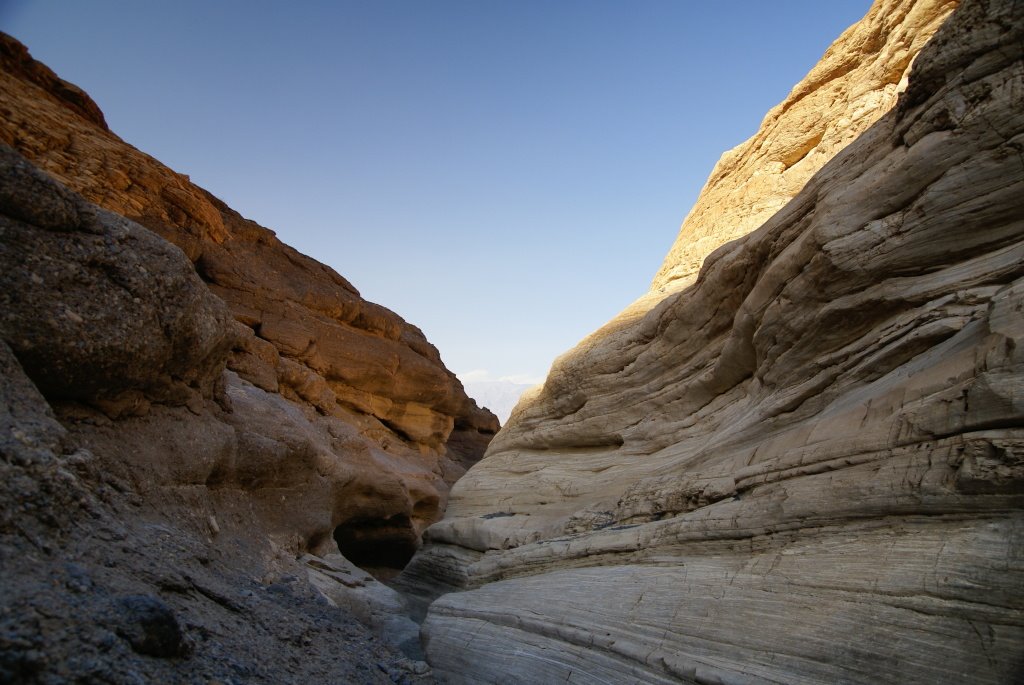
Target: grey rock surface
{"points": [[94, 305]]}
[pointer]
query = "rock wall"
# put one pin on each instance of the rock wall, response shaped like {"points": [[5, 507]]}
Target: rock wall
{"points": [[806, 466], [151, 503], [856, 81], [350, 381], [194, 418]]}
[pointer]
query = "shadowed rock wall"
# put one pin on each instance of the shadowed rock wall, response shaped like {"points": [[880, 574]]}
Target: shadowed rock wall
{"points": [[302, 338], [151, 503], [190, 429]]}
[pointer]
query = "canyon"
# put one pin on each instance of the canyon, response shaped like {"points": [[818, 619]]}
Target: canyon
{"points": [[798, 458]]}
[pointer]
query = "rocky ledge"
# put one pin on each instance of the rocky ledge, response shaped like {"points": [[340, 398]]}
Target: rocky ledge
{"points": [[804, 467]]}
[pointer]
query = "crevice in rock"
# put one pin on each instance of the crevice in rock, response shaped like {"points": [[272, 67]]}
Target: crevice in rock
{"points": [[381, 546], [394, 428]]}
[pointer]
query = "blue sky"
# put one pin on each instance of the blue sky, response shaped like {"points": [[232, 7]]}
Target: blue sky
{"points": [[505, 175]]}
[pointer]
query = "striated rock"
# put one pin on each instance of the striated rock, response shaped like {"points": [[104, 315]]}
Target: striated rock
{"points": [[345, 367], [856, 81], [15, 59], [804, 467]]}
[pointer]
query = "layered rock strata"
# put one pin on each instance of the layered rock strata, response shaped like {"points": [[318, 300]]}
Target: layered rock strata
{"points": [[855, 82], [152, 503], [806, 466], [190, 430], [350, 380]]}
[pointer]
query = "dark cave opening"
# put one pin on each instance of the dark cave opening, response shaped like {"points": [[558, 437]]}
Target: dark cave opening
{"points": [[378, 545]]}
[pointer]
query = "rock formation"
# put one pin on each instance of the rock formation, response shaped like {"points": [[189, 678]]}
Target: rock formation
{"points": [[367, 384], [150, 501], [805, 466], [856, 81], [192, 429]]}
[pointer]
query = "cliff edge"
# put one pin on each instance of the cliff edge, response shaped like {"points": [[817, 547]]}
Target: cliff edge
{"points": [[854, 83]]}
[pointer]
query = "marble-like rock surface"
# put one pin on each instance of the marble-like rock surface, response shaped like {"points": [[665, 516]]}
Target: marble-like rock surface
{"points": [[806, 466], [375, 389], [374, 603], [856, 81]]}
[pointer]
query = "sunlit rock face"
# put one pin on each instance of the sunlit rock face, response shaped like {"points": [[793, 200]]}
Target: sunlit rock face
{"points": [[805, 466], [856, 81], [329, 393]]}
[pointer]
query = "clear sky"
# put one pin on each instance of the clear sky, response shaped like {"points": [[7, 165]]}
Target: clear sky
{"points": [[507, 175]]}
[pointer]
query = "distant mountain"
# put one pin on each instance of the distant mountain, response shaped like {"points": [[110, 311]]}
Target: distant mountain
{"points": [[498, 396]]}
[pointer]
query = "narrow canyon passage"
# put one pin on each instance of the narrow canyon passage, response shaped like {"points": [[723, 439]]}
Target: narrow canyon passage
{"points": [[796, 459]]}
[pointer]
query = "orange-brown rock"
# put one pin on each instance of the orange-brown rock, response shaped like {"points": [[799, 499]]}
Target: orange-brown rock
{"points": [[302, 331], [130, 460]]}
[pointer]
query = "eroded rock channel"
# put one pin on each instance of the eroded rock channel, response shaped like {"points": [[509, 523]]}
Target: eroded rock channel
{"points": [[797, 459]]}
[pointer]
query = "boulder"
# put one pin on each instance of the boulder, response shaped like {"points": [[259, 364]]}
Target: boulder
{"points": [[96, 306]]}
